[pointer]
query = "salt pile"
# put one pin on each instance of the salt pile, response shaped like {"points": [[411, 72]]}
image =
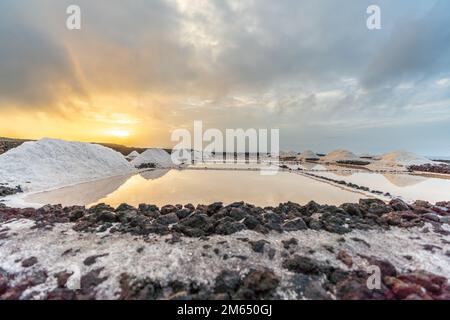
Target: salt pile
{"points": [[366, 156], [402, 159], [159, 157], [52, 163], [185, 156], [340, 155], [133, 155], [308, 155], [288, 154]]}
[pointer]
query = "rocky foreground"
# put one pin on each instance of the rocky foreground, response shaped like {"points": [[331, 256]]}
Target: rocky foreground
{"points": [[226, 252]]}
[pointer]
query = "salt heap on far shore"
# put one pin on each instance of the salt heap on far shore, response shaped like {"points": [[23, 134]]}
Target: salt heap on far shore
{"points": [[51, 163], [187, 155], [288, 154], [159, 157], [308, 155], [400, 159], [340, 155], [133, 155]]}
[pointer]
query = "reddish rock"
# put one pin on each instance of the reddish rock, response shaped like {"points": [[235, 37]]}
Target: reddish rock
{"points": [[345, 258], [401, 289]]}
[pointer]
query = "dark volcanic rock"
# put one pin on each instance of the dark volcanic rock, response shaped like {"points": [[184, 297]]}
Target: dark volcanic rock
{"points": [[168, 219], [62, 277], [309, 287], [196, 225], [225, 220], [399, 205], [295, 225], [258, 285], [229, 227], [214, 208], [168, 209], [227, 282], [90, 281], [144, 289], [7, 191], [29, 262], [258, 246], [301, 264], [93, 259], [289, 243]]}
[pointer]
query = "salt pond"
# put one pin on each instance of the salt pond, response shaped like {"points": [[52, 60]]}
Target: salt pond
{"points": [[406, 186], [163, 187], [228, 184]]}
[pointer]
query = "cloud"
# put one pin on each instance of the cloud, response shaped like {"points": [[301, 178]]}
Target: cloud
{"points": [[417, 50], [293, 63]]}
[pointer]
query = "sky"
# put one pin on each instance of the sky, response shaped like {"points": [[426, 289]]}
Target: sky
{"points": [[137, 70]]}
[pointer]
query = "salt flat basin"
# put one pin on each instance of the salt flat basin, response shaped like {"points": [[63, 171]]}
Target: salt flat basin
{"points": [[161, 187], [407, 186]]}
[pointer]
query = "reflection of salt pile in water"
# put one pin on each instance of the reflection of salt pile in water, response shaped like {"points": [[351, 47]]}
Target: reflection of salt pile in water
{"points": [[404, 180], [158, 157], [340, 155], [133, 155], [51, 163], [399, 160], [154, 174], [312, 166], [81, 194], [308, 155]]}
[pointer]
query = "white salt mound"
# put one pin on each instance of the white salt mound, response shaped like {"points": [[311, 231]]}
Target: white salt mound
{"points": [[186, 155], [132, 155], [366, 155], [52, 163], [308, 154], [288, 154], [340, 155], [159, 157], [403, 159]]}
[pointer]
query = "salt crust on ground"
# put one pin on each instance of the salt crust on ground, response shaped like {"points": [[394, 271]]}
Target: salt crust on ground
{"points": [[183, 261]]}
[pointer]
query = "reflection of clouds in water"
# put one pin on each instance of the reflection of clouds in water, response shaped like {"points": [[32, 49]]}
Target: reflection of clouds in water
{"points": [[80, 194], [404, 180], [154, 174]]}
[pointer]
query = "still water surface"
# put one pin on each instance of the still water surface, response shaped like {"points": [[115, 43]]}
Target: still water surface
{"points": [[163, 187]]}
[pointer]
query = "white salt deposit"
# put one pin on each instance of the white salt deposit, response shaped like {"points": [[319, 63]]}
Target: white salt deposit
{"points": [[308, 154], [133, 155], [366, 156], [288, 154], [404, 158], [340, 155], [51, 163], [186, 155], [159, 157], [191, 261], [399, 160]]}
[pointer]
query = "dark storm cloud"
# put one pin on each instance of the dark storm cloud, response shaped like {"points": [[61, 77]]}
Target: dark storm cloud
{"points": [[417, 50], [32, 65]]}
